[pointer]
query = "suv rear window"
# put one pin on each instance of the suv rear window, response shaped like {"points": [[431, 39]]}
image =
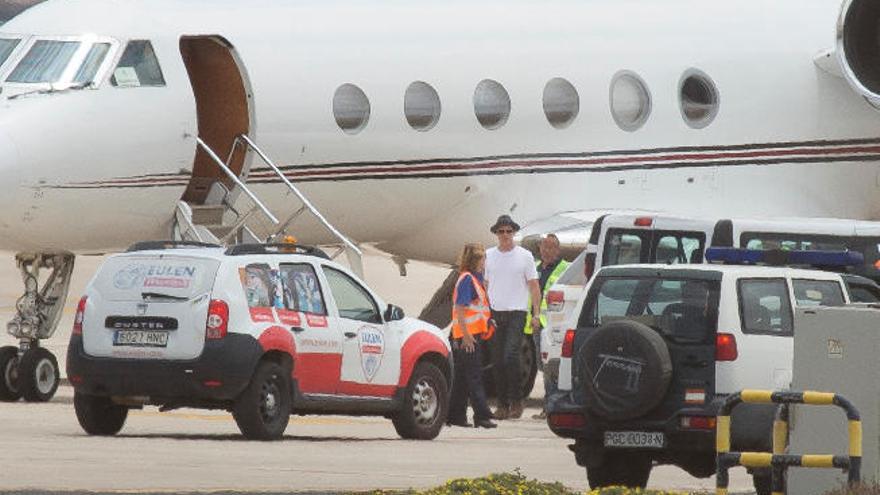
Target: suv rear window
{"points": [[653, 246], [683, 310], [764, 306], [133, 278]]}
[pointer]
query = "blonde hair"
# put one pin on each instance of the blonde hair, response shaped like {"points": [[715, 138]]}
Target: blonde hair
{"points": [[470, 257]]}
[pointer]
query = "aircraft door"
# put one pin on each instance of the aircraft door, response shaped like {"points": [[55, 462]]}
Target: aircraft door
{"points": [[223, 106]]}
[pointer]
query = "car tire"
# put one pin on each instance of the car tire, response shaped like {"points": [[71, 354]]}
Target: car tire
{"points": [[262, 411], [425, 404], [619, 468], [38, 375], [528, 365], [528, 368], [9, 391], [637, 377], [99, 415]]}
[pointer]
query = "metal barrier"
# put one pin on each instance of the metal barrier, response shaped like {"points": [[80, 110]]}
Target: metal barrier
{"points": [[778, 461]]}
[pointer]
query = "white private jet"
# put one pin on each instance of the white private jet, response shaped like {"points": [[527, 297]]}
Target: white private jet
{"points": [[413, 125]]}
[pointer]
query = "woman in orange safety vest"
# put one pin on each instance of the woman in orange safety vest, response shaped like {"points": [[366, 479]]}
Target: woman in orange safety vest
{"points": [[470, 326]]}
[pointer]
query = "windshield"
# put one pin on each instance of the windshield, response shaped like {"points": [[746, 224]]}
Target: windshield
{"points": [[7, 46], [45, 62], [683, 310], [59, 61]]}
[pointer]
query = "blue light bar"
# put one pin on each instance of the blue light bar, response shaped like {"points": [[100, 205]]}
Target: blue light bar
{"points": [[740, 256]]}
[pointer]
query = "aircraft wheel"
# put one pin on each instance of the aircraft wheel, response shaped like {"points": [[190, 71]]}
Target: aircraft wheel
{"points": [[38, 375], [9, 391]]}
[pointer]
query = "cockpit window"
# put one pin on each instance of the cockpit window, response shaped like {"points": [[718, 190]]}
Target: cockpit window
{"points": [[89, 68], [45, 62], [138, 67], [7, 46]]}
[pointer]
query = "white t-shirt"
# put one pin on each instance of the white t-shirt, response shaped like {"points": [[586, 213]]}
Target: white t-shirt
{"points": [[508, 274]]}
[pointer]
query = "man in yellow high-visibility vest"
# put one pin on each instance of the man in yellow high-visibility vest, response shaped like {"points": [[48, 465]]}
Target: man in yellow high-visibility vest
{"points": [[550, 268]]}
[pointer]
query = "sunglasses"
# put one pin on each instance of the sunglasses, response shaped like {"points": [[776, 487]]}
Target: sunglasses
{"points": [[504, 231]]}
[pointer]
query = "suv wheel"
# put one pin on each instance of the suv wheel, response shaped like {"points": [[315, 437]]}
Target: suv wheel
{"points": [[99, 415], [262, 411], [627, 370], [620, 468], [38, 375], [425, 403], [9, 374]]}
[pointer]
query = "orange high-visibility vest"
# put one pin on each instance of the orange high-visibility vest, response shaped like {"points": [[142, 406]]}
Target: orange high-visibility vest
{"points": [[476, 315]]}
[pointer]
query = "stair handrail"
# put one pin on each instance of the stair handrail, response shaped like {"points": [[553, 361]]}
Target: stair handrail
{"points": [[183, 214], [308, 204], [238, 182]]}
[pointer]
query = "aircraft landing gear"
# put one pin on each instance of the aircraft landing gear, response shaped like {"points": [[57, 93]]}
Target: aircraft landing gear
{"points": [[31, 371]]}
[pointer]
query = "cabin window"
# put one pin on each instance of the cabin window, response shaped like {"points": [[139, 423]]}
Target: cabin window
{"points": [[491, 104], [45, 62], [7, 46], [698, 99], [138, 67], [561, 102], [421, 105], [351, 108], [630, 101], [89, 68]]}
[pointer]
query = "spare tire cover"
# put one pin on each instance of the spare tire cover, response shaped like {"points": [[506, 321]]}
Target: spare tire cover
{"points": [[626, 369]]}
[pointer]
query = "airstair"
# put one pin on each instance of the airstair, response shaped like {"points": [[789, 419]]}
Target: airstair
{"points": [[236, 215]]}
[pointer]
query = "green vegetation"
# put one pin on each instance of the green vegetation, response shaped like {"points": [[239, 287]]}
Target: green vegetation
{"points": [[516, 484]]}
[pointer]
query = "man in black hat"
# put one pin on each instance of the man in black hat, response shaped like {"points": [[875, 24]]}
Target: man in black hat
{"points": [[512, 283]]}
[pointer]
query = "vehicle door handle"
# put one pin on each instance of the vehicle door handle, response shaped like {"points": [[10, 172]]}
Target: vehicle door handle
{"points": [[297, 329], [350, 335]]}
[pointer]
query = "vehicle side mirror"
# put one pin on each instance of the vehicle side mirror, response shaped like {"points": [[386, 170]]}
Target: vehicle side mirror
{"points": [[393, 313]]}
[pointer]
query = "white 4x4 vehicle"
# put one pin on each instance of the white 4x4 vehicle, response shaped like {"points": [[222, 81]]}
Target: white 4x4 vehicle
{"points": [[260, 330], [657, 348]]}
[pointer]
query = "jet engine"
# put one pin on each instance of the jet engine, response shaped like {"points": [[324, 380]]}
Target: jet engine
{"points": [[858, 46]]}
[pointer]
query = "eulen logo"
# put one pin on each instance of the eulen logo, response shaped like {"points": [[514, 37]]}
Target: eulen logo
{"points": [[371, 342]]}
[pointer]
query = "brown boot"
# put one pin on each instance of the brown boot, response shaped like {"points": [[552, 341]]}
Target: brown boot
{"points": [[516, 410], [501, 412]]}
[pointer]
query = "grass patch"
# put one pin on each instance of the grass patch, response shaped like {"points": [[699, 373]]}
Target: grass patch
{"points": [[517, 484]]}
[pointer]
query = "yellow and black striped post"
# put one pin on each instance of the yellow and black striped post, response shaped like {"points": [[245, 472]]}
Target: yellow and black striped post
{"points": [[778, 461]]}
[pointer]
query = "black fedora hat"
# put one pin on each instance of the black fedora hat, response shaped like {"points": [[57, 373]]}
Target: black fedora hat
{"points": [[502, 221]]}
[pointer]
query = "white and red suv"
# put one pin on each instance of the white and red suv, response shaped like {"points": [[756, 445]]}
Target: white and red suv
{"points": [[263, 331]]}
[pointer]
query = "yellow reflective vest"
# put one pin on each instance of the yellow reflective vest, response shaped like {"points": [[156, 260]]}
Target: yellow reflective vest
{"points": [[557, 272]]}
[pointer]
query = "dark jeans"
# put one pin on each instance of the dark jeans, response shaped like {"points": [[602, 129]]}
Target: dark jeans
{"points": [[468, 383], [506, 348]]}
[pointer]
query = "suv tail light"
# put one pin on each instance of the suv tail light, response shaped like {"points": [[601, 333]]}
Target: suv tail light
{"points": [[697, 423], [78, 318], [555, 300], [589, 265], [568, 344], [725, 347], [218, 320]]}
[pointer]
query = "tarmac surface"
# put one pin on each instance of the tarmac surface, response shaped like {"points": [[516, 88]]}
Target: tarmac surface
{"points": [[43, 449]]}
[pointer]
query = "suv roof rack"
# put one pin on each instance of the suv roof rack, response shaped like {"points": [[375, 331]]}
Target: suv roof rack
{"points": [[780, 257], [275, 248], [159, 245]]}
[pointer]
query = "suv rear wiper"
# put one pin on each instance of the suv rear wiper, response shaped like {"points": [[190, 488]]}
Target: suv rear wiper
{"points": [[159, 295]]}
